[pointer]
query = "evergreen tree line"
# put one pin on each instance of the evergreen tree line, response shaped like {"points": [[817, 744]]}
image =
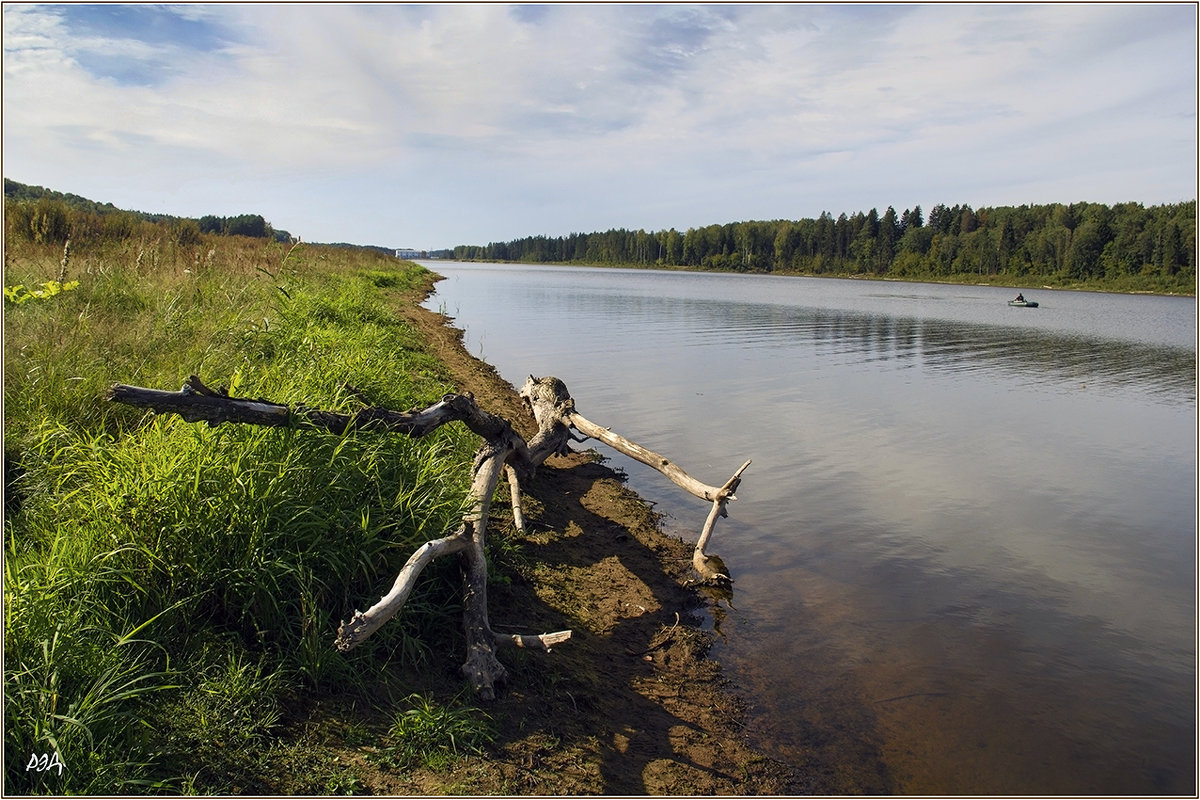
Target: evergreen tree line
{"points": [[1125, 245], [43, 216]]}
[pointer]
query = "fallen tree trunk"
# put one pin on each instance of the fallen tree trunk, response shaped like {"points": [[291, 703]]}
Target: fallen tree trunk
{"points": [[503, 451]]}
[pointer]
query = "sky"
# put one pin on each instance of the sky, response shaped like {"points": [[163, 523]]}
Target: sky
{"points": [[430, 126]]}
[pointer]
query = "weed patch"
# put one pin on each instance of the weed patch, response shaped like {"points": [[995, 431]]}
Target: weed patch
{"points": [[432, 735]]}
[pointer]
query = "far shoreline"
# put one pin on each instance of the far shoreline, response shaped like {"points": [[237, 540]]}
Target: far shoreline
{"points": [[1001, 281]]}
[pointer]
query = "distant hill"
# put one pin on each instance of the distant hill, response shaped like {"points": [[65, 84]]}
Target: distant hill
{"points": [[391, 251], [241, 225], [21, 191]]}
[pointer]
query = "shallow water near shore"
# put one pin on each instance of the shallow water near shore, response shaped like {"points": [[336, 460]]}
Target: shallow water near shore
{"points": [[965, 552]]}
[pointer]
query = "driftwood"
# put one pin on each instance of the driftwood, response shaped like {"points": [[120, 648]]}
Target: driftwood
{"points": [[503, 450]]}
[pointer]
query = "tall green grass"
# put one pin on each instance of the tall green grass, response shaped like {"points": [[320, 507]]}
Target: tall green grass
{"points": [[166, 581]]}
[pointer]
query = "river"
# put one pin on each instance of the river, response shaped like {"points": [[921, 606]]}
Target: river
{"points": [[965, 553]]}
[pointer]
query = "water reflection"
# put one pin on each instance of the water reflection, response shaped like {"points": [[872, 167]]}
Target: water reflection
{"points": [[965, 553], [1014, 354]]}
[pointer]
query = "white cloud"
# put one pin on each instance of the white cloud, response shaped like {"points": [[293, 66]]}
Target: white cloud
{"points": [[582, 117]]}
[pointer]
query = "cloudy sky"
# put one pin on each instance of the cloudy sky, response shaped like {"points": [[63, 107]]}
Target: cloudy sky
{"points": [[434, 125]]}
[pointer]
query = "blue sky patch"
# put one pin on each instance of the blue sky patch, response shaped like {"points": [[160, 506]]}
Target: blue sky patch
{"points": [[138, 44]]}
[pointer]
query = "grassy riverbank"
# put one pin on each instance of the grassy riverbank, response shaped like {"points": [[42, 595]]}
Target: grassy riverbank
{"points": [[172, 590], [168, 586]]}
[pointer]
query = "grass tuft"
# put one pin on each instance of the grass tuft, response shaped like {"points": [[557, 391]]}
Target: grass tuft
{"points": [[434, 735]]}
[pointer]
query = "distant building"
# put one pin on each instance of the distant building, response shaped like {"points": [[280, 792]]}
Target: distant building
{"points": [[404, 252]]}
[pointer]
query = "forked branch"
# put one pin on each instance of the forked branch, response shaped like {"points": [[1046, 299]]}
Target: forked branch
{"points": [[710, 567]]}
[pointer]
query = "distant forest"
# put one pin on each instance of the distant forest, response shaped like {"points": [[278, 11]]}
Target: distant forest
{"points": [[1126, 247], [45, 216]]}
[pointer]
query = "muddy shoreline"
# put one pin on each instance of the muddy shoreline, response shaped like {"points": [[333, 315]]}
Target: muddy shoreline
{"points": [[631, 705]]}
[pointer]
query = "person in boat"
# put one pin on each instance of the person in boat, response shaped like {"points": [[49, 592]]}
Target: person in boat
{"points": [[1020, 298]]}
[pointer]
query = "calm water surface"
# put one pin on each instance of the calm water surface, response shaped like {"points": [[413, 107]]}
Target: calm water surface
{"points": [[965, 554]]}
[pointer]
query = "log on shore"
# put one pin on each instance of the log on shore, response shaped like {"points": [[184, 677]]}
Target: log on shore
{"points": [[503, 451]]}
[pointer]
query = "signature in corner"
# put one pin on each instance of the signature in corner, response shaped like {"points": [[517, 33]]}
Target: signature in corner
{"points": [[43, 762]]}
